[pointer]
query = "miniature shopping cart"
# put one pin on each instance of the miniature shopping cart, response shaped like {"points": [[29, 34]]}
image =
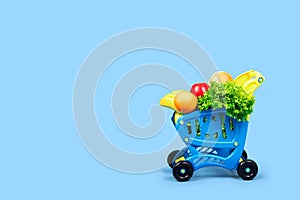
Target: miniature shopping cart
{"points": [[212, 139], [212, 136]]}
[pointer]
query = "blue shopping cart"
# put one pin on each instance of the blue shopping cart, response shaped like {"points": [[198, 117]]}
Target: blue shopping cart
{"points": [[212, 139]]}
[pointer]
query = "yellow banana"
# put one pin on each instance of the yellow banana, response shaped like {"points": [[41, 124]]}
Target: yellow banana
{"points": [[250, 80], [252, 85], [242, 78]]}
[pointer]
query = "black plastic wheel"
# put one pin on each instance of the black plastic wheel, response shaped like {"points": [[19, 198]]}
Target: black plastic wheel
{"points": [[247, 169], [244, 154], [171, 157], [183, 171]]}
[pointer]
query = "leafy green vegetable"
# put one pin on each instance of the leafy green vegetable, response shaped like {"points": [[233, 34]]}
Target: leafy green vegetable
{"points": [[238, 103]]}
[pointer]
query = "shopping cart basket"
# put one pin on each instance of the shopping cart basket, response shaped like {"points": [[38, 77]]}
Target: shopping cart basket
{"points": [[212, 139]]}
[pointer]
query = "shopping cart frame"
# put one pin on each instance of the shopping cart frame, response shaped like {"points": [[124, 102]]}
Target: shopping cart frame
{"points": [[213, 139]]}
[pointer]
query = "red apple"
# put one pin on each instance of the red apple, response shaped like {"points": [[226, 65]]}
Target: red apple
{"points": [[199, 89]]}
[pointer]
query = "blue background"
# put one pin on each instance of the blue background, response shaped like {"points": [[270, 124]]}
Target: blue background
{"points": [[42, 46]]}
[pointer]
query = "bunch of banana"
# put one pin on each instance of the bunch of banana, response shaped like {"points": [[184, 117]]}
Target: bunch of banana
{"points": [[250, 80]]}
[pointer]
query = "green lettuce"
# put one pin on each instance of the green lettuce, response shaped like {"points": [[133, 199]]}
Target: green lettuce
{"points": [[238, 103]]}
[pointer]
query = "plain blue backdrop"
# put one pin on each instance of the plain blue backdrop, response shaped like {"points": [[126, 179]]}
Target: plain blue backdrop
{"points": [[43, 44]]}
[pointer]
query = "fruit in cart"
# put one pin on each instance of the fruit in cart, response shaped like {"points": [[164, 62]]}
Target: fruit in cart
{"points": [[224, 92], [180, 100], [250, 80], [168, 100], [220, 77], [244, 77], [238, 103], [185, 102], [199, 89]]}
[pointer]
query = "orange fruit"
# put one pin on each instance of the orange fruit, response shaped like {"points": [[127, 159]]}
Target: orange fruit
{"points": [[185, 102], [220, 77]]}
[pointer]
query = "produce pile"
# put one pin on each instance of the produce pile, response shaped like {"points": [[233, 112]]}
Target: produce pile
{"points": [[236, 96]]}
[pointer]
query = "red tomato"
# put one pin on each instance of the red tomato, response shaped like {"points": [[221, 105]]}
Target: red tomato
{"points": [[199, 89]]}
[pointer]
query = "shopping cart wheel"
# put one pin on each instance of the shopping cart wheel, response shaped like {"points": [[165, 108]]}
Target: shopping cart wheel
{"points": [[247, 169], [171, 157], [183, 171], [244, 154]]}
